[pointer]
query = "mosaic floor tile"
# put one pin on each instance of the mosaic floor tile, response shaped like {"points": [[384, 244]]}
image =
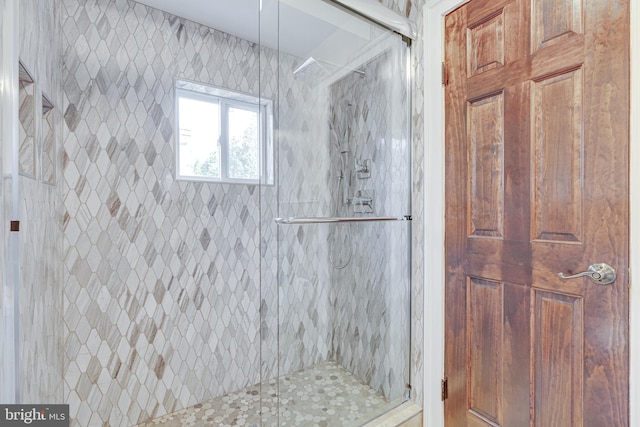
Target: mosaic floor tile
{"points": [[325, 395]]}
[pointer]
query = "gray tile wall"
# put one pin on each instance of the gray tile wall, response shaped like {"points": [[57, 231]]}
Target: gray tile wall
{"points": [[370, 295], [161, 276], [162, 294], [413, 10], [295, 320], [40, 253], [303, 190]]}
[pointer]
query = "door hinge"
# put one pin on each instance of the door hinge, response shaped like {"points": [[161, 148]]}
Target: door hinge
{"points": [[14, 226], [444, 388], [445, 75]]}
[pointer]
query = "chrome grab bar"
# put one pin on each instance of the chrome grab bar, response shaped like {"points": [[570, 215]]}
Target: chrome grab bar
{"points": [[334, 219]]}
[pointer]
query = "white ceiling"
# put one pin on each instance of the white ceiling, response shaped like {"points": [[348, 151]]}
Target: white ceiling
{"points": [[301, 27]]}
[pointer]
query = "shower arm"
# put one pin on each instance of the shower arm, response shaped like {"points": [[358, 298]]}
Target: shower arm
{"points": [[335, 219]]}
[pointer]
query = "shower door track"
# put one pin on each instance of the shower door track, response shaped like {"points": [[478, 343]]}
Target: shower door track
{"points": [[334, 219], [381, 14]]}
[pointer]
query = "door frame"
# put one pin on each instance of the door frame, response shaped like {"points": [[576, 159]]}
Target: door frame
{"points": [[434, 197]]}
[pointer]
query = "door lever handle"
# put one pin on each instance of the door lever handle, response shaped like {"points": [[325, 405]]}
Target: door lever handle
{"points": [[600, 273]]}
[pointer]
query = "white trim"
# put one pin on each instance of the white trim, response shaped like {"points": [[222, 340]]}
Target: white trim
{"points": [[433, 351]]}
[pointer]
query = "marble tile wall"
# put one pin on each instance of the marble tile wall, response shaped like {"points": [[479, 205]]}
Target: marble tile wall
{"points": [[295, 319], [413, 10], [40, 254], [162, 284], [163, 303], [303, 190], [370, 295]]}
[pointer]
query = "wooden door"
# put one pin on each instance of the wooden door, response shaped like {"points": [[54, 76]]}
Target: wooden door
{"points": [[537, 141]]}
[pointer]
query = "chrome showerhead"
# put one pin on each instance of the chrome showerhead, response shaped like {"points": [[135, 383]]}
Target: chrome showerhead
{"points": [[315, 70], [311, 70]]}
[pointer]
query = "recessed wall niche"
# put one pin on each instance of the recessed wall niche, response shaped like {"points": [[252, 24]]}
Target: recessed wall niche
{"points": [[48, 141], [27, 146]]}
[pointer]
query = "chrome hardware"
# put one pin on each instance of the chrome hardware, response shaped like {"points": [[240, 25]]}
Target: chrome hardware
{"points": [[324, 220], [600, 273], [362, 202], [362, 168]]}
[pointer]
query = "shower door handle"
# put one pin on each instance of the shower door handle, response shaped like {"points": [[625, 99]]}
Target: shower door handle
{"points": [[334, 219]]}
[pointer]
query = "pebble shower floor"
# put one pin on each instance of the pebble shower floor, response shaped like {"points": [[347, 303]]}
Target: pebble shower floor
{"points": [[325, 395]]}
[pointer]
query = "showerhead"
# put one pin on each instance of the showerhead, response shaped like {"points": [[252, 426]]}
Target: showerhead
{"points": [[315, 70], [311, 70]]}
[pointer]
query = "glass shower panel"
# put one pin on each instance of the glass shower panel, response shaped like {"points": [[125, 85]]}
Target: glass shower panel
{"points": [[336, 227], [268, 230]]}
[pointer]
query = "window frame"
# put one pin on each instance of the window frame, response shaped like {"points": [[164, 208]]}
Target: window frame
{"points": [[227, 99]]}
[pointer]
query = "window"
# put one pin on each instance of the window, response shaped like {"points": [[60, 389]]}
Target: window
{"points": [[223, 136]]}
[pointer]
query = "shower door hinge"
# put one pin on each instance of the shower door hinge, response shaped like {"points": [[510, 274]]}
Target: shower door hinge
{"points": [[444, 388], [14, 226], [445, 75]]}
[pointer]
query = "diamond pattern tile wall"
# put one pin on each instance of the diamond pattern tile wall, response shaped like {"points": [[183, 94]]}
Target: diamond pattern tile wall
{"points": [[124, 217], [161, 276], [370, 297], [303, 274], [163, 297], [413, 10]]}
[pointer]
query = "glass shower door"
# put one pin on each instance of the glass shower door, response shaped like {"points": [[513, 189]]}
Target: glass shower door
{"points": [[336, 226]]}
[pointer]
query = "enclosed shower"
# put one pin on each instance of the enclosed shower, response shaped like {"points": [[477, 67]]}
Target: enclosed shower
{"points": [[214, 205]]}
